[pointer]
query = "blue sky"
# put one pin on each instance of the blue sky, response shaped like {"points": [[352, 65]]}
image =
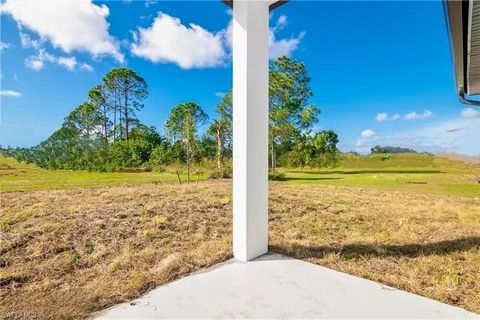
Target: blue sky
{"points": [[381, 71]]}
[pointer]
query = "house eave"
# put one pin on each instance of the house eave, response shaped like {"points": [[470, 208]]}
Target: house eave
{"points": [[463, 22]]}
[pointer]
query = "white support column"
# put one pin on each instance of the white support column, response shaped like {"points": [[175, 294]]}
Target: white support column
{"points": [[250, 128]]}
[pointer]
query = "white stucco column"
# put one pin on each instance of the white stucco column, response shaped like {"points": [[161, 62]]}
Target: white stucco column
{"points": [[250, 128]]}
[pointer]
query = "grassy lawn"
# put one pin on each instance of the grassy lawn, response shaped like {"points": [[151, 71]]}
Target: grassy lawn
{"points": [[406, 172], [69, 252], [464, 184], [26, 177]]}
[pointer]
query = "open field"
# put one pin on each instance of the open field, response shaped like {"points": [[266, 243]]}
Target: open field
{"points": [[403, 172], [16, 176], [67, 253], [464, 184]]}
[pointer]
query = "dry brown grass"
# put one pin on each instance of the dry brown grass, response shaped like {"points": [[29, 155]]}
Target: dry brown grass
{"points": [[138, 238], [65, 254]]}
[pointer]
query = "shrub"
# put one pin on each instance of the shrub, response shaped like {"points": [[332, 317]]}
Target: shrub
{"points": [[275, 175]]}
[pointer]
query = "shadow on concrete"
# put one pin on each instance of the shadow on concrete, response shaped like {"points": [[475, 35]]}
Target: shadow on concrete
{"points": [[358, 250], [272, 256]]}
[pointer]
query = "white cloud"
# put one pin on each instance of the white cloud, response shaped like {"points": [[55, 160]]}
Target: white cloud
{"points": [[366, 138], [149, 3], [220, 94], [470, 113], [227, 35], [85, 67], [459, 136], [37, 62], [282, 20], [281, 23], [78, 25], [10, 93], [4, 45], [68, 63], [367, 134], [27, 42], [381, 117], [361, 143], [168, 40], [283, 47], [427, 114], [34, 63]]}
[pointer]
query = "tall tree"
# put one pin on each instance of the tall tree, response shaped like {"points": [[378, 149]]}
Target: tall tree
{"points": [[218, 130], [326, 150], [60, 150], [97, 97], [128, 90], [86, 120], [225, 111], [182, 125], [221, 129], [319, 149], [289, 107]]}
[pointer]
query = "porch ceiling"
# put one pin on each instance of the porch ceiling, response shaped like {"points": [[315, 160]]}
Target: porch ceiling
{"points": [[273, 3]]}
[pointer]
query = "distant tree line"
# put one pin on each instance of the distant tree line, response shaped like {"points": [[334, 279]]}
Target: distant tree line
{"points": [[390, 149], [104, 134]]}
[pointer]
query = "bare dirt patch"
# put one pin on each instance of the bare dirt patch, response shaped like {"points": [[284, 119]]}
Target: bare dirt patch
{"points": [[4, 166], [65, 254]]}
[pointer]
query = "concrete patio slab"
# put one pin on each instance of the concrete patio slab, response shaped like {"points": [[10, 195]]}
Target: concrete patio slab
{"points": [[276, 286]]}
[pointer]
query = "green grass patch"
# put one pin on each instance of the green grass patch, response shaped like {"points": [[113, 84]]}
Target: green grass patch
{"points": [[16, 176], [403, 172]]}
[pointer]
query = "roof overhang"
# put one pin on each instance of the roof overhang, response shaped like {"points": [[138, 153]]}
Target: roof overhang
{"points": [[273, 3], [463, 22]]}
